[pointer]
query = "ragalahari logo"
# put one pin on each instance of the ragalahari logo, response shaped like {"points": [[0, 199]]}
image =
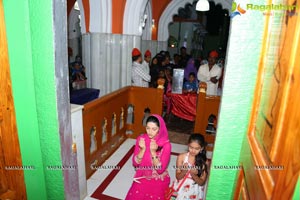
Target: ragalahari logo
{"points": [[236, 10]]}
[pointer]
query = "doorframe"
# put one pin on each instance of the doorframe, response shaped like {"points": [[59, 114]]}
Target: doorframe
{"points": [[37, 47]]}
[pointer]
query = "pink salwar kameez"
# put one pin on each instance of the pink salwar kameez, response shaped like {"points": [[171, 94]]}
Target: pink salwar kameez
{"points": [[151, 182]]}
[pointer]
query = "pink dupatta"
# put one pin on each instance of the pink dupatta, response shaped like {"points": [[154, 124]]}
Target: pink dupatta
{"points": [[143, 169]]}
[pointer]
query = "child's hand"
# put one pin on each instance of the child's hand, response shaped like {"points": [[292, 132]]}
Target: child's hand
{"points": [[185, 167], [142, 144], [194, 171]]}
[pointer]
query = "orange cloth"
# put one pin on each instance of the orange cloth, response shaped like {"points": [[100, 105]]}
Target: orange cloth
{"points": [[135, 52], [147, 53], [214, 54]]}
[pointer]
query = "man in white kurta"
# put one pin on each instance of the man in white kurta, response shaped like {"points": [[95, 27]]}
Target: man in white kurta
{"points": [[146, 62], [139, 77], [210, 74]]}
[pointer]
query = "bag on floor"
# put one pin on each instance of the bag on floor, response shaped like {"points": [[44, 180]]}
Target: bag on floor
{"points": [[172, 191]]}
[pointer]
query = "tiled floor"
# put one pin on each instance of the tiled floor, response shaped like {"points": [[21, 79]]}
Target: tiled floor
{"points": [[121, 183]]}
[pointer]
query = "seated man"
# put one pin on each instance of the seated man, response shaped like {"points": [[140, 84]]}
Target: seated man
{"points": [[191, 85]]}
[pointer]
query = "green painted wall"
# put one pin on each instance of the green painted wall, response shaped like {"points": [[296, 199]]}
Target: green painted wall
{"points": [[31, 56], [240, 76], [297, 191]]}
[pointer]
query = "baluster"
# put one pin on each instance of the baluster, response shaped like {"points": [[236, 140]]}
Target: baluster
{"points": [[94, 164], [121, 138], [93, 146], [130, 114], [113, 145], [104, 131], [121, 119], [114, 124], [104, 154]]}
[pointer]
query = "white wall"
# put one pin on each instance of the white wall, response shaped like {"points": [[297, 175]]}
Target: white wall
{"points": [[74, 32], [107, 58], [154, 46]]}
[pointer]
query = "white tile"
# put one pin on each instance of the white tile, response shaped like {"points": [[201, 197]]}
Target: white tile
{"points": [[90, 198], [171, 168], [100, 175], [122, 182], [179, 148], [124, 178], [92, 185]]}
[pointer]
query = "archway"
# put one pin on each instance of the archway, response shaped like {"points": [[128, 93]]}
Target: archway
{"points": [[74, 32], [132, 19], [171, 10], [100, 16], [147, 30]]}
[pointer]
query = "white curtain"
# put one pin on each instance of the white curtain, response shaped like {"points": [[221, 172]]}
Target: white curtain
{"points": [[154, 46], [107, 58]]}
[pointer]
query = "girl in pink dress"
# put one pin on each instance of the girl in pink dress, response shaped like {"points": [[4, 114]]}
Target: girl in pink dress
{"points": [[151, 158]]}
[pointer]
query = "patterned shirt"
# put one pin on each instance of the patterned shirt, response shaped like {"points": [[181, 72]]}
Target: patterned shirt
{"points": [[139, 77]]}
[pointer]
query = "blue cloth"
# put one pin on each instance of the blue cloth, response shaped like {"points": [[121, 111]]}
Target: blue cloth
{"points": [[190, 86], [74, 71], [84, 95]]}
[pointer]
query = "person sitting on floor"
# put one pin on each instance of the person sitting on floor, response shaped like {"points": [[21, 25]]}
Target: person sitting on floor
{"points": [[191, 169], [151, 158], [191, 86], [78, 72]]}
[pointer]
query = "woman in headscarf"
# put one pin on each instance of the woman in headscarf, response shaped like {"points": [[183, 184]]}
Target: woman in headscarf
{"points": [[154, 71], [190, 67], [151, 158]]}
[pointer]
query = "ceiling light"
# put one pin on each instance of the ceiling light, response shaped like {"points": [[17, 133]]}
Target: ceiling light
{"points": [[202, 5]]}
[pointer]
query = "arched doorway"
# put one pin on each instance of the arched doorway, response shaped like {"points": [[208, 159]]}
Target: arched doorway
{"points": [[214, 24], [74, 32]]}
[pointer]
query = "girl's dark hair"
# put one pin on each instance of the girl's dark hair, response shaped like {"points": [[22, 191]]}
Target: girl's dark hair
{"points": [[200, 160], [155, 57], [156, 121]]}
